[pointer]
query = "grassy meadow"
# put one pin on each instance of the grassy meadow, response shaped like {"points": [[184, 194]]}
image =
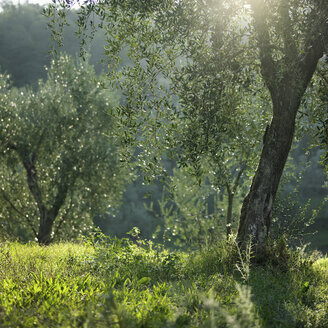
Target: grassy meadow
{"points": [[121, 283]]}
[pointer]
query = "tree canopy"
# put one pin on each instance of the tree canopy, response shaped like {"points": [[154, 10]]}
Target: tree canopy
{"points": [[211, 54], [59, 150]]}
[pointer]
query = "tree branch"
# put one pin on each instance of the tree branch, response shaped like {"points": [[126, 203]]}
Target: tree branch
{"points": [[63, 187], [59, 199], [32, 179], [268, 65], [308, 64], [64, 217], [6, 198], [289, 42], [228, 188], [236, 183], [314, 47]]}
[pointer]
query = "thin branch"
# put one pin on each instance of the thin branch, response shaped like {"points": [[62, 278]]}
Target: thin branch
{"points": [[32, 180], [6, 198], [63, 188], [228, 188], [64, 217], [236, 184]]}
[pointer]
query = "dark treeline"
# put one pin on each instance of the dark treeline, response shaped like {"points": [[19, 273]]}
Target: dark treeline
{"points": [[26, 43]]}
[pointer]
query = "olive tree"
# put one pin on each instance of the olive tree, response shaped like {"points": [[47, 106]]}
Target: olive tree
{"points": [[219, 44], [291, 37], [59, 152]]}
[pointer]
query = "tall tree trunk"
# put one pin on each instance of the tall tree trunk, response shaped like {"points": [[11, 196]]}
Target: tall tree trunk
{"points": [[49, 215], [46, 221], [256, 211]]}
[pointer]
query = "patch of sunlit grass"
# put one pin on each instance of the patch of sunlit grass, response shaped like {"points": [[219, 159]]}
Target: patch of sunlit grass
{"points": [[120, 283]]}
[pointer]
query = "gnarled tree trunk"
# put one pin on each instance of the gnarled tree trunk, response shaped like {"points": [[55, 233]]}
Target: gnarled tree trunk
{"points": [[257, 206], [287, 79], [47, 214], [256, 211]]}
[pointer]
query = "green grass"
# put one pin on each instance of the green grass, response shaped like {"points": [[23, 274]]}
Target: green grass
{"points": [[118, 283]]}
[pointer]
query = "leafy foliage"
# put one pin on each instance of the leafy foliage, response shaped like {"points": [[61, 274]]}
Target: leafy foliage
{"points": [[315, 109], [190, 91], [192, 213], [184, 75], [57, 145], [194, 67]]}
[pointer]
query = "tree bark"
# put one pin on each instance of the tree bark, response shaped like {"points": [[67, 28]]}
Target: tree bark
{"points": [[48, 216], [256, 211], [231, 191], [45, 227]]}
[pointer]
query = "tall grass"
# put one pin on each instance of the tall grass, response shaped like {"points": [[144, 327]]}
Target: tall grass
{"points": [[125, 283]]}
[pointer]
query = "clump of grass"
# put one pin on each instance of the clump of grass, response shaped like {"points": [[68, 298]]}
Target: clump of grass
{"points": [[45, 286]]}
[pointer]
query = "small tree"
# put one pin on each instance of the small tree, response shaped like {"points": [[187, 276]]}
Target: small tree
{"points": [[59, 162]]}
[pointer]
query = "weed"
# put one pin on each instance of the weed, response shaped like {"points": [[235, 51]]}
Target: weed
{"points": [[244, 263]]}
